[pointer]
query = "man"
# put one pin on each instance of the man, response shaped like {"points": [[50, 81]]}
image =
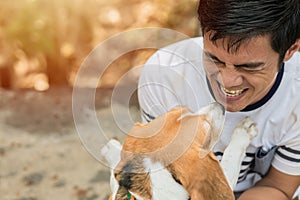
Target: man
{"points": [[248, 61]]}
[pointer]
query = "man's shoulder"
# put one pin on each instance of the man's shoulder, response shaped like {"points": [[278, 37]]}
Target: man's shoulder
{"points": [[178, 61], [174, 76], [292, 66]]}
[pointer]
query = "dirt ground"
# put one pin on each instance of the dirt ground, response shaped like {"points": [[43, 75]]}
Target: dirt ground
{"points": [[41, 154]]}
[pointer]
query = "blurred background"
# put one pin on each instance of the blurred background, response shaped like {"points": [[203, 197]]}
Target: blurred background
{"points": [[42, 45], [44, 42]]}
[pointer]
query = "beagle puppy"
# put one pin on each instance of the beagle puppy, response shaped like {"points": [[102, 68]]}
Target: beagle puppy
{"points": [[171, 158]]}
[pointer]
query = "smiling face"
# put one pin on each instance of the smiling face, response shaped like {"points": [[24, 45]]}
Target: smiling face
{"points": [[242, 78]]}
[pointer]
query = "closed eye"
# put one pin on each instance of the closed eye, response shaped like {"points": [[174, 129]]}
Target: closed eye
{"points": [[256, 66], [213, 58], [250, 67]]}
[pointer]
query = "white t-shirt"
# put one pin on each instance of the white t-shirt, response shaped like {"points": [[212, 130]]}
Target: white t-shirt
{"points": [[175, 76]]}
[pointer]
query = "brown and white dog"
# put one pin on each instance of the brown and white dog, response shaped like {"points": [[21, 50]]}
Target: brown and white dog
{"points": [[171, 158]]}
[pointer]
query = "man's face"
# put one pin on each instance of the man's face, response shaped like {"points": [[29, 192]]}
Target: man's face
{"points": [[242, 78]]}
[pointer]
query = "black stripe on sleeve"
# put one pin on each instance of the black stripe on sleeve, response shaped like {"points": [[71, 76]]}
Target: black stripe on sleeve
{"points": [[244, 170], [290, 150], [250, 154], [287, 157], [247, 163]]}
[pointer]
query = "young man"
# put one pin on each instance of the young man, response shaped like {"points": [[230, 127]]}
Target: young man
{"points": [[248, 61]]}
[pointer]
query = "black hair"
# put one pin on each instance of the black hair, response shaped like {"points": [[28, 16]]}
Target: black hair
{"points": [[240, 20]]}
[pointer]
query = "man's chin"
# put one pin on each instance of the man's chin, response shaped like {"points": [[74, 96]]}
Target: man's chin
{"points": [[232, 107], [231, 104]]}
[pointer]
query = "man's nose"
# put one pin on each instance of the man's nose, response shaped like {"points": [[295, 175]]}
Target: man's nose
{"points": [[230, 77]]}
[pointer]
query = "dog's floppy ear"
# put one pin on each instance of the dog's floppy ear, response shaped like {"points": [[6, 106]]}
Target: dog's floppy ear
{"points": [[214, 122], [208, 143], [212, 117]]}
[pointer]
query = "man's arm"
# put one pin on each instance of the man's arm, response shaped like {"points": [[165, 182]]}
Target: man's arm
{"points": [[274, 186]]}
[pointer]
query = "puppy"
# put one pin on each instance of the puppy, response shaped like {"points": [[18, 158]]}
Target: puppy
{"points": [[171, 158]]}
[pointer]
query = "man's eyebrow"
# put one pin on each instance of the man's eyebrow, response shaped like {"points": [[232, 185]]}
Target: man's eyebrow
{"points": [[211, 56], [247, 65], [250, 65]]}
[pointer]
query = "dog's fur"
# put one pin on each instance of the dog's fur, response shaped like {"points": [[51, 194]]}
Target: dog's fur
{"points": [[170, 158]]}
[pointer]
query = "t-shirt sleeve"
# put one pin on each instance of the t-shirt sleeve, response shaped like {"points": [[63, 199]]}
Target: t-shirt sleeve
{"points": [[287, 160], [287, 157], [154, 92]]}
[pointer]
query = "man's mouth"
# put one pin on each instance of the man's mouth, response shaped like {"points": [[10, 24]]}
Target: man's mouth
{"points": [[232, 93]]}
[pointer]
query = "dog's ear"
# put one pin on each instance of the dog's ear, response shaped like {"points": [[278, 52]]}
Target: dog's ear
{"points": [[208, 143], [212, 136], [207, 116]]}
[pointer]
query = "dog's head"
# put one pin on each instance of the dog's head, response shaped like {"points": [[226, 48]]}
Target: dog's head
{"points": [[170, 158]]}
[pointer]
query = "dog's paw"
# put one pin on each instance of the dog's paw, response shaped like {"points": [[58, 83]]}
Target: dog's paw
{"points": [[111, 152], [246, 127]]}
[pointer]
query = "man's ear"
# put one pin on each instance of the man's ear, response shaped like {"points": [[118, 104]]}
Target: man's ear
{"points": [[289, 53]]}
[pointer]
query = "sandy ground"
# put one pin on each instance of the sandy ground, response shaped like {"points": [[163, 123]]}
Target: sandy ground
{"points": [[41, 154]]}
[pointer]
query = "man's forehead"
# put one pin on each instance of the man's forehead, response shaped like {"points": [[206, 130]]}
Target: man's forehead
{"points": [[232, 44]]}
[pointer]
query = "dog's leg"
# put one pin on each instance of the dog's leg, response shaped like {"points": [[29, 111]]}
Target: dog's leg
{"points": [[111, 152], [236, 150]]}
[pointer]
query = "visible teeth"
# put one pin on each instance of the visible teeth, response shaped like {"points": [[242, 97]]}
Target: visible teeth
{"points": [[231, 93]]}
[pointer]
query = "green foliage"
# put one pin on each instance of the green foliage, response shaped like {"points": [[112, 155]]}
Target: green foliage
{"points": [[63, 32], [28, 29]]}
